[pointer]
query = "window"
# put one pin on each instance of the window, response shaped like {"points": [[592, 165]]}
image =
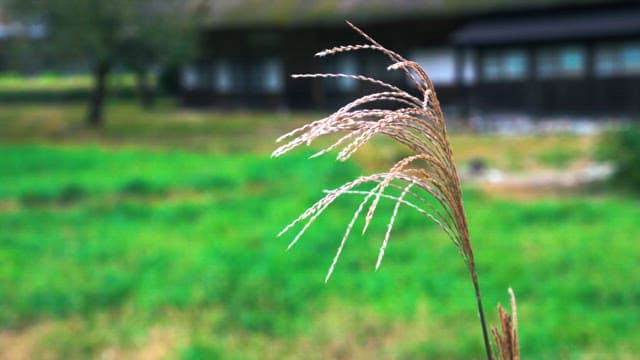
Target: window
{"points": [[514, 65], [222, 77], [468, 69], [193, 77], [261, 76], [271, 73], [560, 61], [572, 61], [189, 78], [508, 64], [491, 67], [631, 58], [438, 63], [341, 65], [617, 59], [228, 77], [606, 61]]}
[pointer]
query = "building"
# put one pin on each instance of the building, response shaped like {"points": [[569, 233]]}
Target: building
{"points": [[545, 57]]}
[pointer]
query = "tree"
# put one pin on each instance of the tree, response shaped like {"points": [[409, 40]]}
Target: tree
{"points": [[137, 34], [164, 39]]}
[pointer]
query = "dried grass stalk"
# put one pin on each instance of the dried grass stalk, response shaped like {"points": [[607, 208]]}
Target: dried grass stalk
{"points": [[430, 172], [506, 338]]}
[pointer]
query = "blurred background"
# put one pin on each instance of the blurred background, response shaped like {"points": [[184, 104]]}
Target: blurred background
{"points": [[139, 206]]}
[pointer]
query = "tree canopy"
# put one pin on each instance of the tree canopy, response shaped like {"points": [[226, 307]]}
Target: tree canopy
{"points": [[98, 34]]}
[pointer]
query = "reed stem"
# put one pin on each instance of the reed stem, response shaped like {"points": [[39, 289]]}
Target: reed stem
{"points": [[483, 323]]}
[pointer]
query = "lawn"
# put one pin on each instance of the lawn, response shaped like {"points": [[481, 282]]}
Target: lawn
{"points": [[155, 237]]}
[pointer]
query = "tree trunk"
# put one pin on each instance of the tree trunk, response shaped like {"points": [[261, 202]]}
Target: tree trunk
{"points": [[145, 91], [95, 116]]}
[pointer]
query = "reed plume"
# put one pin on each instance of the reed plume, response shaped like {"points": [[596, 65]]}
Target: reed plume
{"points": [[430, 172], [506, 338]]}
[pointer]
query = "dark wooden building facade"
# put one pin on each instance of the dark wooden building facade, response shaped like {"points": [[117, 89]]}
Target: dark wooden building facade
{"points": [[564, 59], [575, 61]]}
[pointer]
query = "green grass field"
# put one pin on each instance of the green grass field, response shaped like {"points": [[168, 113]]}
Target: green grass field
{"points": [[156, 238], [54, 82]]}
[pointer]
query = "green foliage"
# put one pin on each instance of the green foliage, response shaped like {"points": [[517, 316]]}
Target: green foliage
{"points": [[108, 266], [101, 35], [131, 32], [621, 147]]}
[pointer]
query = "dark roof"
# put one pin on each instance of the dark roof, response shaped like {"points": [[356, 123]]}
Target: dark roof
{"points": [[575, 26], [234, 13]]}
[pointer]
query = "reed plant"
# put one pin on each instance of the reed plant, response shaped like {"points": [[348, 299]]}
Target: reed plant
{"points": [[506, 338], [425, 181]]}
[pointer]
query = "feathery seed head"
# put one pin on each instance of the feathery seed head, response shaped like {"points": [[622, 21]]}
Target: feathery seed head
{"points": [[417, 123]]}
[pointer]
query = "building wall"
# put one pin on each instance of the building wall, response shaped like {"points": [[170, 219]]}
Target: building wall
{"points": [[574, 77], [249, 67]]}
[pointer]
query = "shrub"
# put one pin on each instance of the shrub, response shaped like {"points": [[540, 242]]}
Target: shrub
{"points": [[621, 147]]}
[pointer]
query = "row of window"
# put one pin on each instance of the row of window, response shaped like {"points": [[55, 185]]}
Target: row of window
{"points": [[569, 61], [260, 76], [225, 76], [266, 75]]}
